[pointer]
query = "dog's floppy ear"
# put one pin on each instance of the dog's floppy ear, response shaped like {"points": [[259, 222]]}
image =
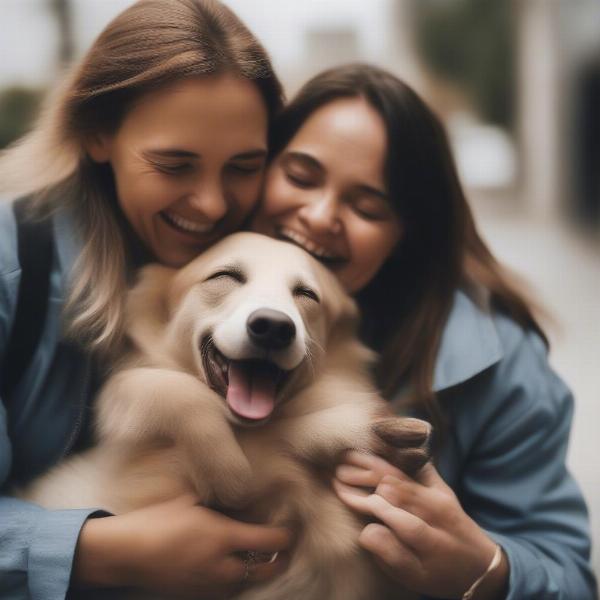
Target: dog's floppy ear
{"points": [[147, 310]]}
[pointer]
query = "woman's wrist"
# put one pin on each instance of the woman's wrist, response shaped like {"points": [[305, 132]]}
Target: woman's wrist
{"points": [[494, 585], [99, 555]]}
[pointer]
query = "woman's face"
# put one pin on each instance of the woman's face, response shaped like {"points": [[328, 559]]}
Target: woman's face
{"points": [[326, 192], [188, 163]]}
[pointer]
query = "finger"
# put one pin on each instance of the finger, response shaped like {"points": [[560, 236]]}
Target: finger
{"points": [[429, 477], [404, 494], [266, 570], [236, 569], [371, 462], [352, 497], [351, 475], [409, 528], [393, 556], [260, 538], [232, 570]]}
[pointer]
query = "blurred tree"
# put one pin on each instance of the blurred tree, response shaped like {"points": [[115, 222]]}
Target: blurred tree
{"points": [[470, 42], [18, 106]]}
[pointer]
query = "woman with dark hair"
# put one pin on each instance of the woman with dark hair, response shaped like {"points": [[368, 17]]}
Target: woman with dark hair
{"points": [[363, 178], [153, 149]]}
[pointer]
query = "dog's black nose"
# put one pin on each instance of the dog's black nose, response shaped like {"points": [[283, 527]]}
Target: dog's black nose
{"points": [[270, 329]]}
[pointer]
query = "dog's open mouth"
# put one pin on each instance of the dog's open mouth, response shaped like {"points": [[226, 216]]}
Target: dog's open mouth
{"points": [[249, 387]]}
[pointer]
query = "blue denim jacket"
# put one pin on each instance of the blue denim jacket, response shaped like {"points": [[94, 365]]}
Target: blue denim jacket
{"points": [[504, 456]]}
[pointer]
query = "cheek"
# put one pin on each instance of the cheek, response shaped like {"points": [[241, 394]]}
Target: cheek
{"points": [[278, 195], [246, 193], [145, 192]]}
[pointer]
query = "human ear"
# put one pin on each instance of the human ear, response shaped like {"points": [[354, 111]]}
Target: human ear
{"points": [[98, 147]]}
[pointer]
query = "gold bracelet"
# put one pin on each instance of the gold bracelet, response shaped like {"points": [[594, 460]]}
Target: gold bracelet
{"points": [[493, 565]]}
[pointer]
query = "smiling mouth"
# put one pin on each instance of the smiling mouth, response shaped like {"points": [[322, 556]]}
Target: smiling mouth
{"points": [[250, 388], [321, 254], [186, 225]]}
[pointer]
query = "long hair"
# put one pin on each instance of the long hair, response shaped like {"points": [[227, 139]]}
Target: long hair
{"points": [[406, 305], [150, 45]]}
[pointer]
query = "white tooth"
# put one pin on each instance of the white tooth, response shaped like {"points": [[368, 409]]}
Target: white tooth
{"points": [[190, 225], [305, 243]]}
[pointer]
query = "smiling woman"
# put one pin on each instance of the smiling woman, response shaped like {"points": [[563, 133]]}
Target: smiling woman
{"points": [[152, 149], [327, 193], [188, 163], [363, 179]]}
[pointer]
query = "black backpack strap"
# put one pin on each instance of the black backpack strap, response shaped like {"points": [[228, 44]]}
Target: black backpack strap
{"points": [[34, 239]]}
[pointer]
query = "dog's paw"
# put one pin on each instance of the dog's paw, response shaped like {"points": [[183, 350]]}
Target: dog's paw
{"points": [[403, 441]]}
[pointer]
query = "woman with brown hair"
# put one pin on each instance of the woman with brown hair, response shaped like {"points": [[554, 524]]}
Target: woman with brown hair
{"points": [[363, 178], [153, 149]]}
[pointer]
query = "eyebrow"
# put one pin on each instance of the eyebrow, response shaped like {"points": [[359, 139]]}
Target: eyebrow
{"points": [[176, 153], [313, 163]]}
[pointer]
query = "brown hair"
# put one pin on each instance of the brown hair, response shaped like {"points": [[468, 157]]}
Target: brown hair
{"points": [[406, 305], [148, 46]]}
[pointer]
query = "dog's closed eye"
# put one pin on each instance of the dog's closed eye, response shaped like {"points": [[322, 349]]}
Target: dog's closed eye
{"points": [[231, 273], [302, 290]]}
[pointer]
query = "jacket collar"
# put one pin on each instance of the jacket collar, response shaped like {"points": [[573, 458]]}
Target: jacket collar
{"points": [[469, 345]]}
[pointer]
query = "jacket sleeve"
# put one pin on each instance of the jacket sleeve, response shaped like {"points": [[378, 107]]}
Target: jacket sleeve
{"points": [[36, 545], [514, 481]]}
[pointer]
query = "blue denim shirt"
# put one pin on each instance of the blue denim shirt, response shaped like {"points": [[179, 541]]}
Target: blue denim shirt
{"points": [[509, 418]]}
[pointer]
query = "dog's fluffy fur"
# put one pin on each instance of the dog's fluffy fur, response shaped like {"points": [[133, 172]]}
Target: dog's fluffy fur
{"points": [[165, 428]]}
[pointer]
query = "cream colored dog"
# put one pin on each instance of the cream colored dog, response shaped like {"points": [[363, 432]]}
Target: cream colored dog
{"points": [[244, 381]]}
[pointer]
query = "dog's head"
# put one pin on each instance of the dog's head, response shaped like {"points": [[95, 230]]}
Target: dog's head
{"points": [[252, 317]]}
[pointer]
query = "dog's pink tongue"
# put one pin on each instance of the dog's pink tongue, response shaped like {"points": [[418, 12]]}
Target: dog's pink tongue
{"points": [[251, 391]]}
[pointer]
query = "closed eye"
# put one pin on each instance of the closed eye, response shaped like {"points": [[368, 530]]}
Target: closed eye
{"points": [[234, 274], [171, 168], [301, 290], [246, 169], [299, 180]]}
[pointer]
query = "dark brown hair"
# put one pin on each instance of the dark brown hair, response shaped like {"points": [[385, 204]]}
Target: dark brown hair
{"points": [[406, 305]]}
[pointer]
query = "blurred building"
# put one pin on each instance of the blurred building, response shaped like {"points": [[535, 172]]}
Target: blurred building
{"points": [[540, 67]]}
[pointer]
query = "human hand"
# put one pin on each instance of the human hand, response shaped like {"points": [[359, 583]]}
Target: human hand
{"points": [[178, 549], [424, 539]]}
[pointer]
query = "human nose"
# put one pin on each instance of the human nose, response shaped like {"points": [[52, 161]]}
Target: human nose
{"points": [[322, 214], [208, 198]]}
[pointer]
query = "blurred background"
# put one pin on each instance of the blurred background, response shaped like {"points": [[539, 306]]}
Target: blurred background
{"points": [[517, 83]]}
